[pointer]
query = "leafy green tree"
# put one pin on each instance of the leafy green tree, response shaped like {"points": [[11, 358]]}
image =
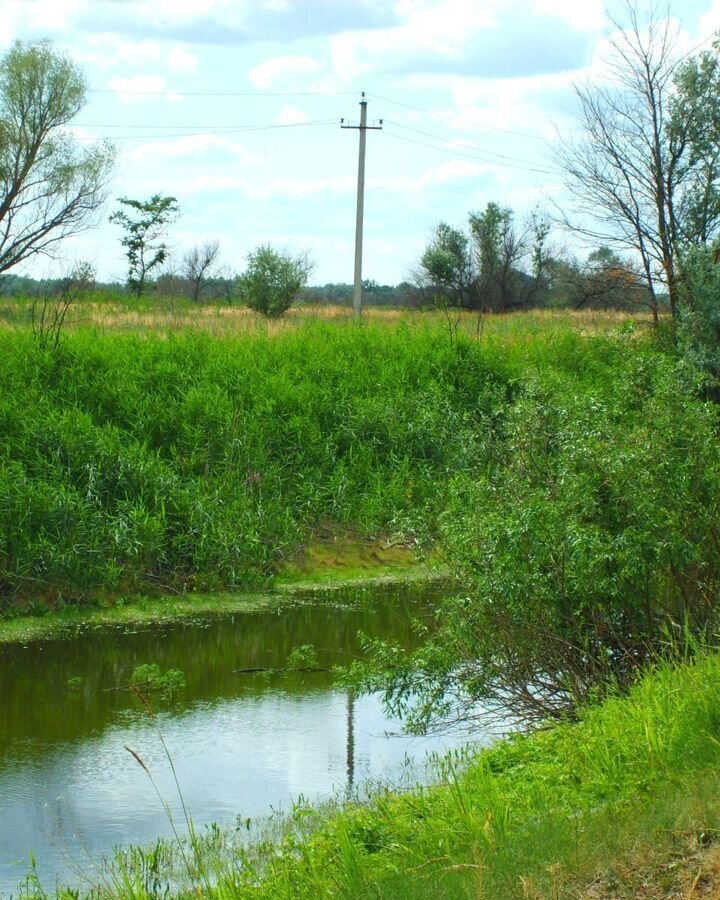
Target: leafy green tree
{"points": [[446, 266], [273, 280], [498, 266], [145, 223], [694, 129], [50, 188], [511, 260], [497, 250]]}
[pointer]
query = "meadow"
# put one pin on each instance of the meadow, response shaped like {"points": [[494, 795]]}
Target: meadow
{"points": [[147, 454]]}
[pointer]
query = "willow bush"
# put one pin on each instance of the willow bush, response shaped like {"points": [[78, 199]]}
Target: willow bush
{"points": [[586, 543]]}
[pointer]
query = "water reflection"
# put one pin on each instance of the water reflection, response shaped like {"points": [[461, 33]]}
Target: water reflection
{"points": [[241, 745]]}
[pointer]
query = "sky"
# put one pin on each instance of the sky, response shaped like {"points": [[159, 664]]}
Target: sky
{"points": [[234, 107]]}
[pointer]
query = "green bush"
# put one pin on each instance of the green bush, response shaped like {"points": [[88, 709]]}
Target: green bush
{"points": [[586, 544], [699, 325], [273, 280]]}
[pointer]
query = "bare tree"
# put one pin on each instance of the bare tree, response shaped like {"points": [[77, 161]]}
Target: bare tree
{"points": [[50, 310], [603, 281], [49, 187], [170, 286], [198, 266], [635, 170]]}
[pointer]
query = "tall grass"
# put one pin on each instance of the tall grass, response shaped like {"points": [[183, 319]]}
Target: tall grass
{"points": [[186, 461], [123, 314], [182, 461]]}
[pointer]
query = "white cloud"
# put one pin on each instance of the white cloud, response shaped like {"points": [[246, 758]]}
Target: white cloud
{"points": [[181, 60], [284, 69], [282, 188], [46, 15], [172, 10], [131, 90], [710, 22], [289, 115], [435, 176], [484, 109], [303, 188], [193, 145], [441, 29], [129, 53], [7, 27], [109, 51], [583, 15]]}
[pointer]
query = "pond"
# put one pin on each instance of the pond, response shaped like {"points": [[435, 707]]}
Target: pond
{"points": [[242, 745]]}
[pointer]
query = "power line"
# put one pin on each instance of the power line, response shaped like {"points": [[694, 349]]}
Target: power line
{"points": [[230, 130], [462, 144], [262, 94], [437, 115], [206, 127], [165, 91], [473, 156]]}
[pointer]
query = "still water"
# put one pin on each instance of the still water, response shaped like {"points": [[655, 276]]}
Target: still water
{"points": [[242, 745]]}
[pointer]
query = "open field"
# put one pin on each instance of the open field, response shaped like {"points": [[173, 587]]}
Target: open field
{"points": [[160, 316]]}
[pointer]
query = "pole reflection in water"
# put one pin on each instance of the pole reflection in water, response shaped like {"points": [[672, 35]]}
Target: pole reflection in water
{"points": [[350, 755], [241, 745]]}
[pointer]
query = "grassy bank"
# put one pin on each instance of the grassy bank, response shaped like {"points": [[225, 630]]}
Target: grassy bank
{"points": [[136, 463], [359, 565], [625, 803], [157, 462]]}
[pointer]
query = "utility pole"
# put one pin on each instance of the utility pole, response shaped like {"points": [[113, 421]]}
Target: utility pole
{"points": [[363, 128]]}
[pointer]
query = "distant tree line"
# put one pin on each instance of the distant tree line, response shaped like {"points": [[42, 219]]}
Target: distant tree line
{"points": [[501, 266], [642, 167]]}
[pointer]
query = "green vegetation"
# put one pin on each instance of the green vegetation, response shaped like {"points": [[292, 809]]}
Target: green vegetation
{"points": [[39, 622], [145, 223], [569, 482], [131, 463], [149, 678], [272, 281], [50, 185], [586, 545]]}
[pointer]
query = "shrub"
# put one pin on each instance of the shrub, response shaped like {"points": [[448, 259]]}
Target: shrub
{"points": [[699, 325], [586, 544], [272, 281]]}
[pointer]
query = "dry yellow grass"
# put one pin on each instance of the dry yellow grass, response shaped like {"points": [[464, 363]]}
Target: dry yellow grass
{"points": [[164, 318]]}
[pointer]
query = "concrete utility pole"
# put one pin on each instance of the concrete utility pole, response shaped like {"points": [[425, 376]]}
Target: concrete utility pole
{"points": [[363, 127]]}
